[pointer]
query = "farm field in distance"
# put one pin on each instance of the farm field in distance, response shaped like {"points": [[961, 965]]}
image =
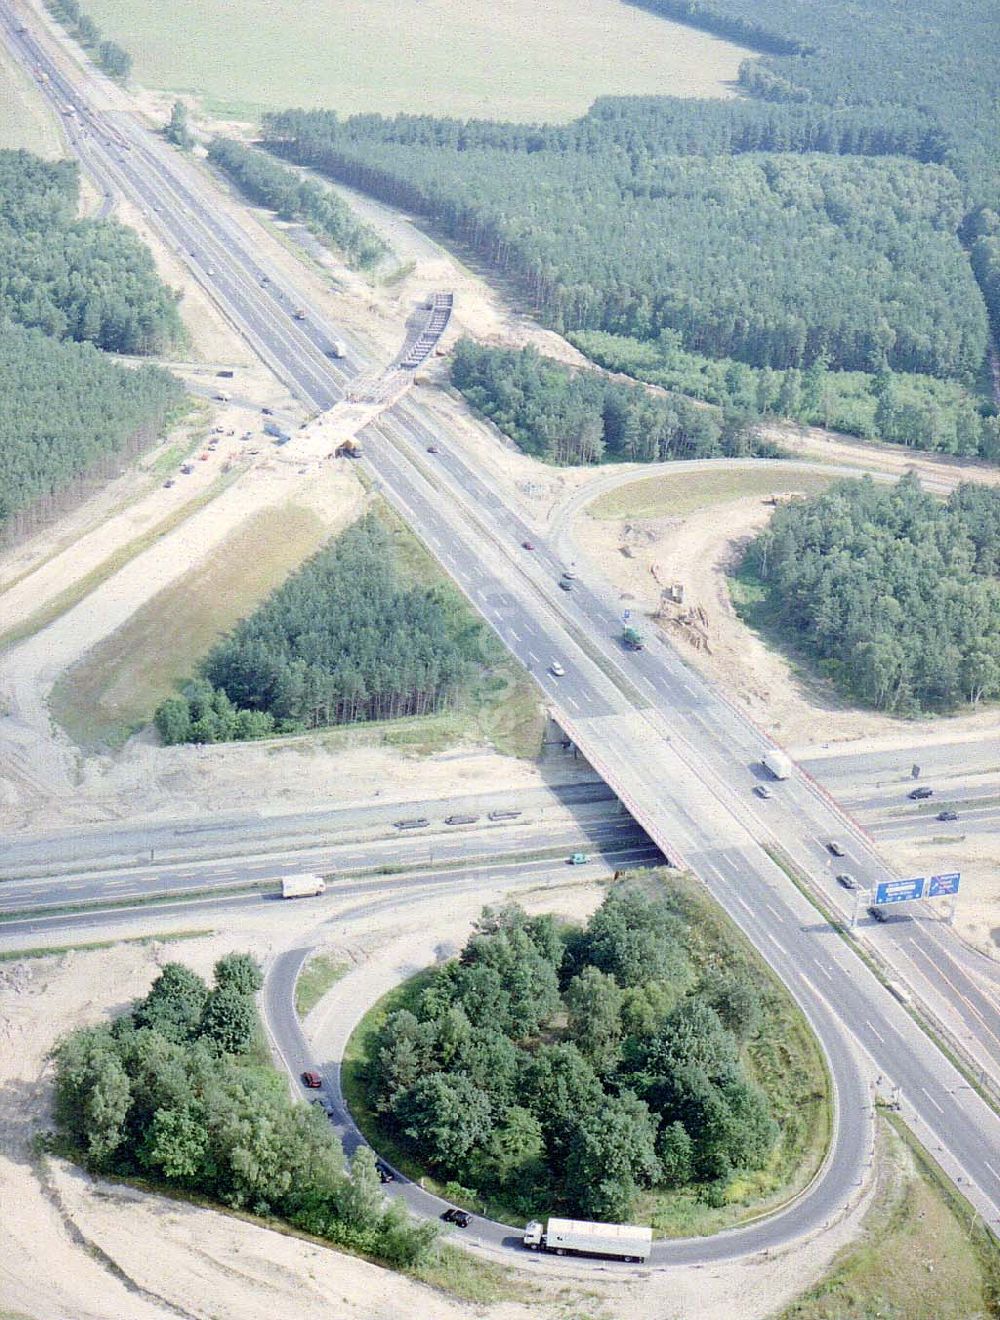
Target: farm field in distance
{"points": [[25, 120], [439, 57]]}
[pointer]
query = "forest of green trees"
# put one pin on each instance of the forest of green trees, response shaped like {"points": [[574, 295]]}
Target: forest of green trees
{"points": [[895, 592], [561, 1068], [177, 1091], [268, 183], [71, 414], [923, 412], [570, 416], [774, 260], [113, 59], [826, 217], [91, 280], [348, 637]]}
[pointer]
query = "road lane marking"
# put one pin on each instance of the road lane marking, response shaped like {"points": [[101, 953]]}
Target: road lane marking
{"points": [[826, 971], [743, 903], [775, 911], [932, 1100], [991, 1169], [774, 941], [513, 634], [874, 1032]]}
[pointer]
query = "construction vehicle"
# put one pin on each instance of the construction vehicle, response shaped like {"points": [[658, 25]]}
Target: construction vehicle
{"points": [[630, 1242], [349, 448], [778, 763], [302, 886], [632, 639]]}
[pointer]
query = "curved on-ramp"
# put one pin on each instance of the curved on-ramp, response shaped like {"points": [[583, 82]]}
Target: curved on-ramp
{"points": [[834, 1189]]}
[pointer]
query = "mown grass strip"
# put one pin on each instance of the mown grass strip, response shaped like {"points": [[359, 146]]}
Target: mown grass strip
{"points": [[319, 974], [79, 590], [41, 951]]}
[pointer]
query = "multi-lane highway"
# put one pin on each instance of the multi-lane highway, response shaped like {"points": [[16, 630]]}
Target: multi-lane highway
{"points": [[673, 748]]}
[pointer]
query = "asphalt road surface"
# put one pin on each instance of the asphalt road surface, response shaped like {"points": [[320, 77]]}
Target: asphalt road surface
{"points": [[674, 749]]}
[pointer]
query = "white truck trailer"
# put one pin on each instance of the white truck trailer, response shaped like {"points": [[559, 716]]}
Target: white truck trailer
{"points": [[778, 763], [302, 886], [580, 1237]]}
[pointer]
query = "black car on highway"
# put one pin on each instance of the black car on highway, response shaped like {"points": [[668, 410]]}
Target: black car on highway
{"points": [[385, 1174], [460, 1218], [947, 815], [877, 914], [918, 794]]}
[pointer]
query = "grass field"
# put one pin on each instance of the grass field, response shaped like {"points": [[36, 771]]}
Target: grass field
{"points": [[517, 60], [315, 979], [687, 492], [116, 686], [25, 120], [921, 1255]]}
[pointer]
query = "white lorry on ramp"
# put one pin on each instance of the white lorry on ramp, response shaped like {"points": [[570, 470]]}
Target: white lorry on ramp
{"points": [[580, 1237], [302, 886], [778, 763]]}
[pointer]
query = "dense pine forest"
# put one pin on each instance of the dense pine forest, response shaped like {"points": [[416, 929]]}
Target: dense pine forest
{"points": [[178, 1090], [266, 182], [70, 413], [349, 637], [90, 280], [569, 416], [828, 216], [897, 594], [563, 1069]]}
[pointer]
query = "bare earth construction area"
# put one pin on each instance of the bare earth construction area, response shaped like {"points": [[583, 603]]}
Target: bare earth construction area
{"points": [[360, 58]]}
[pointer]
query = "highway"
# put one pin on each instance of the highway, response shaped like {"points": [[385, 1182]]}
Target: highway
{"points": [[677, 753], [611, 835], [239, 834]]}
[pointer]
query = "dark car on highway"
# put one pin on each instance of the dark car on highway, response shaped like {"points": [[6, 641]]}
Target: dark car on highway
{"points": [[385, 1174], [312, 1080], [917, 794], [877, 913], [461, 1218], [834, 847], [947, 815], [528, 545], [848, 881]]}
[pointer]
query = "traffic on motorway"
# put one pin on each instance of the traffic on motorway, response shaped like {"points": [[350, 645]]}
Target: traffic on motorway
{"points": [[674, 749]]}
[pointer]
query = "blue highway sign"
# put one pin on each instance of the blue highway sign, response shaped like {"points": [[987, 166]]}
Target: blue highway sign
{"points": [[944, 884], [899, 891]]}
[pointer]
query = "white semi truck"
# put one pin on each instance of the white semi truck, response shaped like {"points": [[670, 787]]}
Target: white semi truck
{"points": [[580, 1237], [302, 886], [778, 763]]}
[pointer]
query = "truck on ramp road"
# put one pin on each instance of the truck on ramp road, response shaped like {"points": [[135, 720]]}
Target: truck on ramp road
{"points": [[580, 1237]]}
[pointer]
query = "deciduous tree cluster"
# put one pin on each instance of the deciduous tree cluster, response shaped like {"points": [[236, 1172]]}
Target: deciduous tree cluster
{"points": [[171, 1091], [568, 1068], [898, 593], [113, 59]]}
